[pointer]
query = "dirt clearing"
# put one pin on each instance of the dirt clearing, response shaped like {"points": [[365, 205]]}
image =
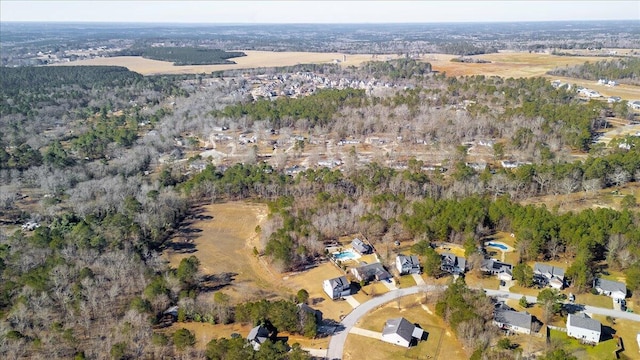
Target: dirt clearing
{"points": [[222, 237]]}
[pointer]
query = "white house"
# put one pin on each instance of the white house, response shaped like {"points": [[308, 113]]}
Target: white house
{"points": [[401, 332], [337, 287], [504, 271], [584, 328], [613, 289], [407, 264], [511, 320]]}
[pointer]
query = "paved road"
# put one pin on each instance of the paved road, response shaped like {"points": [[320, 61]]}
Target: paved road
{"points": [[336, 343]]}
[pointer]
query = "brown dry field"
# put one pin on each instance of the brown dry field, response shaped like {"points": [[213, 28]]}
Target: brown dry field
{"points": [[223, 242], [440, 344], [579, 201], [205, 332], [506, 64], [254, 59]]}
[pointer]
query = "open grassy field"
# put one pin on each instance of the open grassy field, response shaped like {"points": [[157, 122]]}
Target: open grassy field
{"points": [[506, 64], [254, 59], [627, 330], [440, 344], [222, 237]]}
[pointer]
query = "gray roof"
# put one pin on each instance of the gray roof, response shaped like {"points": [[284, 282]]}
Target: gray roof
{"points": [[259, 334], [548, 269], [411, 261], [514, 318], [360, 246], [400, 326], [581, 320], [608, 285], [495, 265], [372, 270], [456, 261], [339, 282]]}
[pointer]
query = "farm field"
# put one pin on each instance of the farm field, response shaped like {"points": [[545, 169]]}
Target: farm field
{"points": [[440, 344], [506, 64], [254, 59], [222, 237]]}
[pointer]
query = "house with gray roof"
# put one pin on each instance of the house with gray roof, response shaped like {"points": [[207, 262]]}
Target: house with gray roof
{"points": [[504, 271], [257, 336], [584, 328], [512, 320], [453, 264], [544, 275], [400, 331], [370, 272], [360, 247], [613, 289], [407, 264], [337, 287]]}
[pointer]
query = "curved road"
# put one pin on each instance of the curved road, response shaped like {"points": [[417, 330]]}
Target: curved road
{"points": [[336, 343]]}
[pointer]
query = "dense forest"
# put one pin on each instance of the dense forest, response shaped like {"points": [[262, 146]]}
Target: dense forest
{"points": [[184, 55], [625, 70]]}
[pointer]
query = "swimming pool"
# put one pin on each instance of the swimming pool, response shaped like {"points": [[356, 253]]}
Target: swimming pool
{"points": [[345, 255], [498, 245]]}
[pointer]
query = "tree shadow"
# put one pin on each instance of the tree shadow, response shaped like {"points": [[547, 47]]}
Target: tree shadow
{"points": [[316, 300], [216, 282], [607, 333], [181, 247]]}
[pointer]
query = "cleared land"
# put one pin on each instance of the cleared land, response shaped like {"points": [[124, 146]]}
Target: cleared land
{"points": [[440, 344], [254, 59], [222, 237]]}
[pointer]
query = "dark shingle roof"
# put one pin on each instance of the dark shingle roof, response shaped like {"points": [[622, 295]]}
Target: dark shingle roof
{"points": [[400, 326], [339, 282], [259, 334]]}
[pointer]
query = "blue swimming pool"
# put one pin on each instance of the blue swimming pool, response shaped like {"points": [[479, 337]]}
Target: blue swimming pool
{"points": [[498, 245], [346, 255]]}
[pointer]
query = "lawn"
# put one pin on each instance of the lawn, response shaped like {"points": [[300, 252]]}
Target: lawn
{"points": [[477, 281], [311, 280], [524, 290], [627, 330], [604, 349], [369, 291], [595, 300], [406, 281], [440, 344]]}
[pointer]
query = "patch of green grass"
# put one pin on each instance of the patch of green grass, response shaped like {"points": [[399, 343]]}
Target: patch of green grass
{"points": [[406, 281], [595, 300], [603, 350]]}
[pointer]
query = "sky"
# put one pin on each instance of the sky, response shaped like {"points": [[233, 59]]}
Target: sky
{"points": [[315, 11]]}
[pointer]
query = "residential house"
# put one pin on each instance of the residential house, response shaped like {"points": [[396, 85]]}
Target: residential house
{"points": [[370, 272], [544, 275], [401, 332], [511, 320], [311, 311], [613, 289], [407, 264], [257, 336], [453, 264], [635, 105], [584, 328], [360, 247], [504, 271], [337, 287], [614, 99]]}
